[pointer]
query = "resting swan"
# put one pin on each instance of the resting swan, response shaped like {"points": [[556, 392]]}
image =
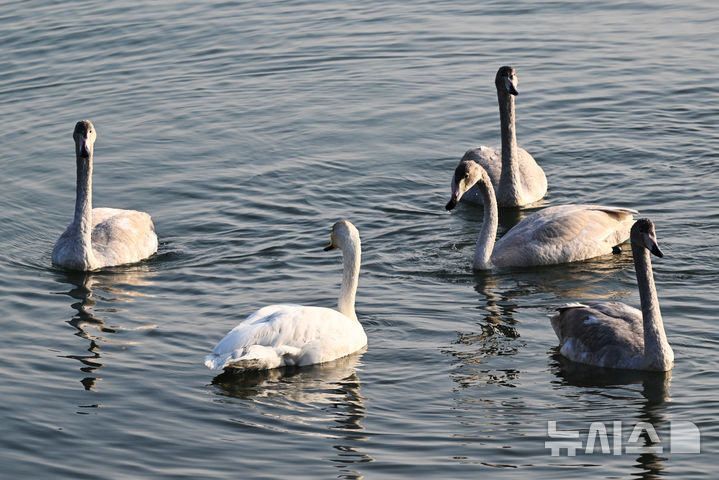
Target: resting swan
{"points": [[613, 334], [561, 234], [516, 177], [296, 335], [100, 237]]}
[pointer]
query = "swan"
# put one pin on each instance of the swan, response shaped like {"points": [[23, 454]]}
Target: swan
{"points": [[560, 234], [516, 177], [100, 237], [613, 334], [297, 335]]}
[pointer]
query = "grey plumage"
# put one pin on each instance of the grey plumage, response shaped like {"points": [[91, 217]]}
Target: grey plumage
{"points": [[613, 334]]}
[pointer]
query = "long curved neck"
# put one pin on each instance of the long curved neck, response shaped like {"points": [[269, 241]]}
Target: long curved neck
{"points": [[82, 222], [488, 234], [657, 352], [509, 178], [351, 259]]}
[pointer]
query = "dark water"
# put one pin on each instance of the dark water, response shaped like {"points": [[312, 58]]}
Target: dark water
{"points": [[246, 130]]}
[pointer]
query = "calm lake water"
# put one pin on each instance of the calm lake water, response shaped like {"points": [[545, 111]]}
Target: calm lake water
{"points": [[246, 129]]}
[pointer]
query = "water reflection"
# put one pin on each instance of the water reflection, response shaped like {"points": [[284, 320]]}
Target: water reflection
{"points": [[589, 280], [306, 397], [655, 385], [495, 334], [88, 289], [616, 384]]}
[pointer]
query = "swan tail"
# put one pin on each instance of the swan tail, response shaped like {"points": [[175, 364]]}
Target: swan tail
{"points": [[215, 362], [620, 210], [253, 357], [567, 306]]}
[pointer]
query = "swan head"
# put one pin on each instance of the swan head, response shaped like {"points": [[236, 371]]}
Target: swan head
{"points": [[643, 235], [466, 175], [506, 80], [343, 234], [84, 136]]}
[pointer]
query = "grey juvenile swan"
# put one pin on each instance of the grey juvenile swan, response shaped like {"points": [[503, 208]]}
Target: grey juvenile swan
{"points": [[100, 237], [516, 177], [561, 234], [613, 334]]}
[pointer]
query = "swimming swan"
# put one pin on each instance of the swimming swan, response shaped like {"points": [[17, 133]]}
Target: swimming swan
{"points": [[287, 335], [561, 234], [516, 177], [613, 334], [100, 237]]}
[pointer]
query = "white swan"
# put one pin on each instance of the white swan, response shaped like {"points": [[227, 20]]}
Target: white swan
{"points": [[100, 237], [613, 334], [516, 177], [296, 335], [561, 234]]}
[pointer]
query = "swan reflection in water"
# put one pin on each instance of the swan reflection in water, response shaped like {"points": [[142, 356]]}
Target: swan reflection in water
{"points": [[498, 333], [95, 293], [648, 405], [307, 396]]}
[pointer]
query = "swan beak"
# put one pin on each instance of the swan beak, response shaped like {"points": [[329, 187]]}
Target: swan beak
{"points": [[655, 250], [84, 148], [332, 245], [453, 200], [655, 247], [511, 88]]}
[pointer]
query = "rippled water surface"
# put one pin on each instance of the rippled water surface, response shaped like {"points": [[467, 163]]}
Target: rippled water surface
{"points": [[246, 130]]}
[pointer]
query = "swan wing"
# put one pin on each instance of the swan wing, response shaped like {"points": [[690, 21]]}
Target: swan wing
{"points": [[532, 178], [563, 234], [608, 334], [284, 335], [122, 236]]}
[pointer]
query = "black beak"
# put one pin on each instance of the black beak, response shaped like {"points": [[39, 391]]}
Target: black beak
{"points": [[84, 152], [655, 250], [454, 199], [510, 86]]}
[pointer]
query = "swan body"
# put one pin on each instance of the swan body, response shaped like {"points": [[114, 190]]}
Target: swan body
{"points": [[516, 177], [297, 335], [613, 334], [100, 237], [559, 234], [563, 234]]}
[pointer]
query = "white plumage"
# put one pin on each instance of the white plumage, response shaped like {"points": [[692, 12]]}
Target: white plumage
{"points": [[100, 237], [516, 177], [560, 234], [297, 335]]}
